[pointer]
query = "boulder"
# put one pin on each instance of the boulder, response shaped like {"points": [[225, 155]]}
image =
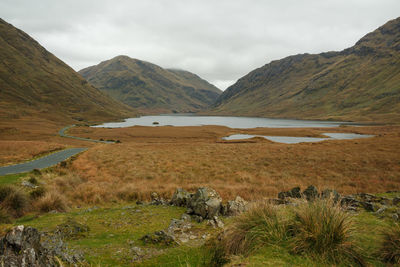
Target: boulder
{"points": [[181, 198], [24, 246], [330, 193], [396, 201], [205, 203], [293, 193], [157, 200], [235, 207], [310, 193]]}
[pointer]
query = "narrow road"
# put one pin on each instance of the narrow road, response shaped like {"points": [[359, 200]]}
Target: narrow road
{"points": [[49, 160], [63, 134], [44, 162]]}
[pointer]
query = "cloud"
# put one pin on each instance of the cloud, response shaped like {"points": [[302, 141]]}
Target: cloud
{"points": [[218, 40]]}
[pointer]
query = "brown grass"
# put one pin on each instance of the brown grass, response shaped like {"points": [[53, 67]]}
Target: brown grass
{"points": [[17, 151], [164, 158]]}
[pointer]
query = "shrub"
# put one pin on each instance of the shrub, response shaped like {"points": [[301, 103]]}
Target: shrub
{"points": [[15, 202], [5, 191], [33, 180], [390, 248], [37, 192], [51, 201], [322, 228], [257, 227]]}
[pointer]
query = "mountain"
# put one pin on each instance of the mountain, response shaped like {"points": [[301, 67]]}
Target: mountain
{"points": [[33, 82], [361, 83], [150, 88]]}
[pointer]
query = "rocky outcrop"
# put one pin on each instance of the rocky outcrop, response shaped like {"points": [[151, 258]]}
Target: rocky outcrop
{"points": [[205, 203], [310, 193], [181, 198], [293, 193], [26, 246], [235, 207]]}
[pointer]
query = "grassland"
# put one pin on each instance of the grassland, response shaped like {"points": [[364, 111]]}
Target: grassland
{"points": [[163, 158], [114, 176]]}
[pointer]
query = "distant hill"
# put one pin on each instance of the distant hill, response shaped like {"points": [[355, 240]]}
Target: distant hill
{"points": [[361, 83], [33, 82], [150, 88]]}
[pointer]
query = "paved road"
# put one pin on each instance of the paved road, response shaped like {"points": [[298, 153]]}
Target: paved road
{"points": [[63, 134], [44, 162]]}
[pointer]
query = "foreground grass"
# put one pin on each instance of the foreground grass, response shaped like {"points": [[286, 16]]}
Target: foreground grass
{"points": [[116, 229]]}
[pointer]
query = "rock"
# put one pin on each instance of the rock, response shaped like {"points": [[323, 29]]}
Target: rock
{"points": [[157, 200], [236, 206], [395, 216], [186, 217], [381, 210], [197, 218], [178, 226], [71, 229], [159, 237], [138, 253], [368, 206], [206, 203], [396, 201], [215, 222], [181, 198], [293, 193], [23, 246], [28, 184], [310, 193], [330, 193]]}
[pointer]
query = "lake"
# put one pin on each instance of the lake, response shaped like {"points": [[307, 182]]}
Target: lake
{"points": [[296, 140], [231, 122]]}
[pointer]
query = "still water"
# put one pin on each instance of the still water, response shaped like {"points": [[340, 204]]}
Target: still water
{"points": [[296, 140], [231, 122]]}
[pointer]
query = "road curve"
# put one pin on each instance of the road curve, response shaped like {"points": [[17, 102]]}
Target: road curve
{"points": [[63, 134], [44, 162]]}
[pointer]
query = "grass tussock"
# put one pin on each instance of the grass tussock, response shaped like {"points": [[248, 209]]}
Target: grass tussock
{"points": [[322, 228], [13, 201], [317, 229], [260, 226], [51, 201], [390, 248]]}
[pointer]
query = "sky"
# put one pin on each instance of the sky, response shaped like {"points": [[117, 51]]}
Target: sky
{"points": [[219, 40]]}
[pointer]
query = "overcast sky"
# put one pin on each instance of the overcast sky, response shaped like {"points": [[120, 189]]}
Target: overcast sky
{"points": [[220, 40]]}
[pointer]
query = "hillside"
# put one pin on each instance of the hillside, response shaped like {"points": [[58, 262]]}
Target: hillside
{"points": [[150, 88], [361, 83], [35, 83]]}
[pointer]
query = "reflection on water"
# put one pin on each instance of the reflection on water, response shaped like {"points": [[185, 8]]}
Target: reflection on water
{"points": [[296, 140], [232, 122]]}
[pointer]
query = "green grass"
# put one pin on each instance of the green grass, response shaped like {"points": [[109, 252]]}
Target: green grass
{"points": [[114, 230], [12, 178]]}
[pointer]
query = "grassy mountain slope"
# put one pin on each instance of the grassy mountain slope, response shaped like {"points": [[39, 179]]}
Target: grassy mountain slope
{"points": [[361, 83], [35, 83], [149, 87]]}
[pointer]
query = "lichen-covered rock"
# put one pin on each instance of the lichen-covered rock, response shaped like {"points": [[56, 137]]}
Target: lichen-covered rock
{"points": [[293, 193], [24, 246], [310, 193], [159, 237], [235, 207], [330, 193], [181, 198], [206, 203]]}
